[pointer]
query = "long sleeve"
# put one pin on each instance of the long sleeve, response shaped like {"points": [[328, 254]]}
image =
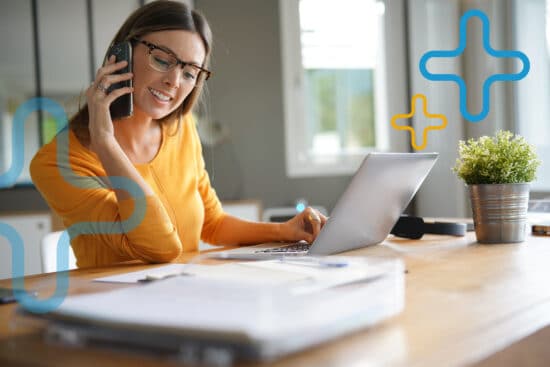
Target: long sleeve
{"points": [[184, 208], [213, 212], [154, 239]]}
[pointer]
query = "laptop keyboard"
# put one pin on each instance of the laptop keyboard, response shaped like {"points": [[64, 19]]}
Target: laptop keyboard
{"points": [[300, 247]]}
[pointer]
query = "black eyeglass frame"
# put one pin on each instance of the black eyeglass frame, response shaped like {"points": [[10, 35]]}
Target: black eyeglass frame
{"points": [[152, 46]]}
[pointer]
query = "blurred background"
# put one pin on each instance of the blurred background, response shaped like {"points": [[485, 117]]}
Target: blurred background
{"points": [[301, 90]]}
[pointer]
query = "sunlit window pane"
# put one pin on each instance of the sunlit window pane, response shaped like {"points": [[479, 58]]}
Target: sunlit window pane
{"points": [[340, 51]]}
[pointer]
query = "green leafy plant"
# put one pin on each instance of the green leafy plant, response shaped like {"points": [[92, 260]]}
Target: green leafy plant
{"points": [[504, 158]]}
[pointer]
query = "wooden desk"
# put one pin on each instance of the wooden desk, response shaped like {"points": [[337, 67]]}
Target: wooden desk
{"points": [[464, 303]]}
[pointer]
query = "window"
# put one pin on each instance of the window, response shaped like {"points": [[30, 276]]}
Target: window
{"points": [[532, 36], [334, 83], [44, 66], [17, 82]]}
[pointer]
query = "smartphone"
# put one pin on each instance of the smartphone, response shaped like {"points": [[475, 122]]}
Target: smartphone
{"points": [[123, 105]]}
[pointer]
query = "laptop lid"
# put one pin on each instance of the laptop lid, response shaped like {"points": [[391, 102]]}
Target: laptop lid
{"points": [[377, 195]]}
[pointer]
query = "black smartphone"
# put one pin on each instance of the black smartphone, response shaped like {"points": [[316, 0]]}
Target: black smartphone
{"points": [[123, 105]]}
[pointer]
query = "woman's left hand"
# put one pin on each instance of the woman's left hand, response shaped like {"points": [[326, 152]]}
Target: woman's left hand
{"points": [[304, 226]]}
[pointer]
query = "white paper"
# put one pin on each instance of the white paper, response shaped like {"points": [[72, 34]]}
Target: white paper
{"points": [[251, 303], [322, 277], [233, 271], [135, 276], [249, 309]]}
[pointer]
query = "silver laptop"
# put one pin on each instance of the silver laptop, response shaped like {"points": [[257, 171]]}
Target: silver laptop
{"points": [[366, 212]]}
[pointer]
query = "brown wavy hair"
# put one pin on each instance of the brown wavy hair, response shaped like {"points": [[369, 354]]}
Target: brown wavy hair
{"points": [[160, 15]]}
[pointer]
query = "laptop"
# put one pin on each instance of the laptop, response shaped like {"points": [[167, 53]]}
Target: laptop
{"points": [[365, 213]]}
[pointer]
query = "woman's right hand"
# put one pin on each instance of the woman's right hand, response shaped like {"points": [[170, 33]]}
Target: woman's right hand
{"points": [[304, 226], [100, 122]]}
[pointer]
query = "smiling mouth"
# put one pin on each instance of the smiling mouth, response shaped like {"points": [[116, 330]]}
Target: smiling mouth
{"points": [[161, 96]]}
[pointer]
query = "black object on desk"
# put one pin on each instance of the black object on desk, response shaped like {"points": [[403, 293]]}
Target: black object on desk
{"points": [[7, 296], [541, 229], [415, 227]]}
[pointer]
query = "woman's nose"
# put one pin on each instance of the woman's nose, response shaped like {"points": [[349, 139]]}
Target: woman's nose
{"points": [[173, 77]]}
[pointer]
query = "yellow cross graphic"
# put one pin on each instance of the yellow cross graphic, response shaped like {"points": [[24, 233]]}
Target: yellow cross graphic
{"points": [[411, 114]]}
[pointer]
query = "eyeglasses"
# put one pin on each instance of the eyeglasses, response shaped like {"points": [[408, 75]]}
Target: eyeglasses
{"points": [[164, 60]]}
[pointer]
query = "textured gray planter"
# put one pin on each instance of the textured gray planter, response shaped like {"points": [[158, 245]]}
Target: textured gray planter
{"points": [[500, 212]]}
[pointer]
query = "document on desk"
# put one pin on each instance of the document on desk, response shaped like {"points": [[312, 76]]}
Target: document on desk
{"points": [[327, 271], [256, 315], [136, 276], [246, 272]]}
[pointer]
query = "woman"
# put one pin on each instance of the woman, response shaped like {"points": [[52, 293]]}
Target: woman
{"points": [[157, 148]]}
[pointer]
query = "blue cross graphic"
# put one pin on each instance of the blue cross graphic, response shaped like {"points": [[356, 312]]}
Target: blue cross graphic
{"points": [[458, 51]]}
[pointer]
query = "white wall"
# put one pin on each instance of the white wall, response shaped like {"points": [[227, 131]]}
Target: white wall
{"points": [[31, 228]]}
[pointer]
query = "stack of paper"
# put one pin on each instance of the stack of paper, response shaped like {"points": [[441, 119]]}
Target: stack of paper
{"points": [[253, 310]]}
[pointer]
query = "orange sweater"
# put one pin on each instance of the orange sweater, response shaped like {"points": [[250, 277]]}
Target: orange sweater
{"points": [[184, 209]]}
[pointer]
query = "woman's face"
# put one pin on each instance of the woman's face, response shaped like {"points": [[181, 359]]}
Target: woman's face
{"points": [[157, 93]]}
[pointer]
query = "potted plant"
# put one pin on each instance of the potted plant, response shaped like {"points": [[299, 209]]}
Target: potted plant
{"points": [[497, 171]]}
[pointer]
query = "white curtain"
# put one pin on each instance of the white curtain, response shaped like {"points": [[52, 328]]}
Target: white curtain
{"points": [[434, 25], [533, 94]]}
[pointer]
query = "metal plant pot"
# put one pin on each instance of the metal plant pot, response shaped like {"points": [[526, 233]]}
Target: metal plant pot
{"points": [[500, 212]]}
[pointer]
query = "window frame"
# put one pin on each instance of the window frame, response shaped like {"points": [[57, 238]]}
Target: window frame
{"points": [[387, 79]]}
